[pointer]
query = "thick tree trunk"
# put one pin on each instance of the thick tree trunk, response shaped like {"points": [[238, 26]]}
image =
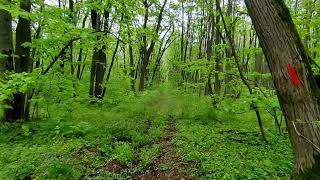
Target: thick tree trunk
{"points": [[298, 95], [98, 66], [6, 49], [23, 63]]}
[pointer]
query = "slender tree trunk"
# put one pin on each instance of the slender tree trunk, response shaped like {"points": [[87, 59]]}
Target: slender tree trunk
{"points": [[148, 51], [131, 68], [72, 17], [161, 53], [182, 39], [81, 51], [242, 77], [292, 76], [113, 60], [228, 67], [258, 66], [217, 82], [210, 36]]}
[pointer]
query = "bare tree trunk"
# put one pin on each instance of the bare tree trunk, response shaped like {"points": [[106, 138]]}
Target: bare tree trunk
{"points": [[292, 76]]}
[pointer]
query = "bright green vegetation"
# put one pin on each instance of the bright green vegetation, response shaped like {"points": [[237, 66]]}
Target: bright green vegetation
{"points": [[118, 89], [81, 142]]}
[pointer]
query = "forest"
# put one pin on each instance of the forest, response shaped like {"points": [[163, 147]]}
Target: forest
{"points": [[159, 89]]}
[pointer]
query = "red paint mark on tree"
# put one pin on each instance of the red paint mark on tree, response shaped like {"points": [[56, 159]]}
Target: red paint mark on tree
{"points": [[294, 76]]}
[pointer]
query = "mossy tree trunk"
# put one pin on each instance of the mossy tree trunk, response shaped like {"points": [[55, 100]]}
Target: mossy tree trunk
{"points": [[293, 80]]}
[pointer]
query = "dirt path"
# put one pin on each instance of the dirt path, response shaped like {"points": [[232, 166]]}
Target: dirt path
{"points": [[168, 165]]}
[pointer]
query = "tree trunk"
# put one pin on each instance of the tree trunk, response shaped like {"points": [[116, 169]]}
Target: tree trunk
{"points": [[227, 91], [113, 60], [81, 51], [6, 62], [72, 17], [217, 82], [131, 68], [98, 65], [6, 48], [23, 63], [258, 66], [296, 89], [211, 26], [148, 51]]}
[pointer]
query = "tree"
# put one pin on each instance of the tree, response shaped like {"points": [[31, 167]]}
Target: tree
{"points": [[98, 66], [5, 41], [22, 63], [147, 51], [293, 79], [6, 49]]}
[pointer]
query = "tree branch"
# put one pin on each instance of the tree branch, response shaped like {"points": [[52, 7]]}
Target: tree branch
{"points": [[56, 58]]}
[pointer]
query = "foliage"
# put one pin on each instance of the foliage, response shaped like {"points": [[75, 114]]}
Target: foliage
{"points": [[73, 135]]}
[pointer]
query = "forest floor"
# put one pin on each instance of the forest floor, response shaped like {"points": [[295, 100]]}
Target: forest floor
{"points": [[162, 134]]}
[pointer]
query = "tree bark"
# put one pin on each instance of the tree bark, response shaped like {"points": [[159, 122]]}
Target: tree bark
{"points": [[98, 65], [6, 49], [227, 91], [218, 69], [22, 63], [298, 98], [210, 37], [131, 68]]}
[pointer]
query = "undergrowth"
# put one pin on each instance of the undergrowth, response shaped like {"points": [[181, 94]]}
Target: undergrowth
{"points": [[79, 139]]}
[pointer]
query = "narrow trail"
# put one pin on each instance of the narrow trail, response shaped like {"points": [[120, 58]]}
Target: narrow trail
{"points": [[176, 168]]}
